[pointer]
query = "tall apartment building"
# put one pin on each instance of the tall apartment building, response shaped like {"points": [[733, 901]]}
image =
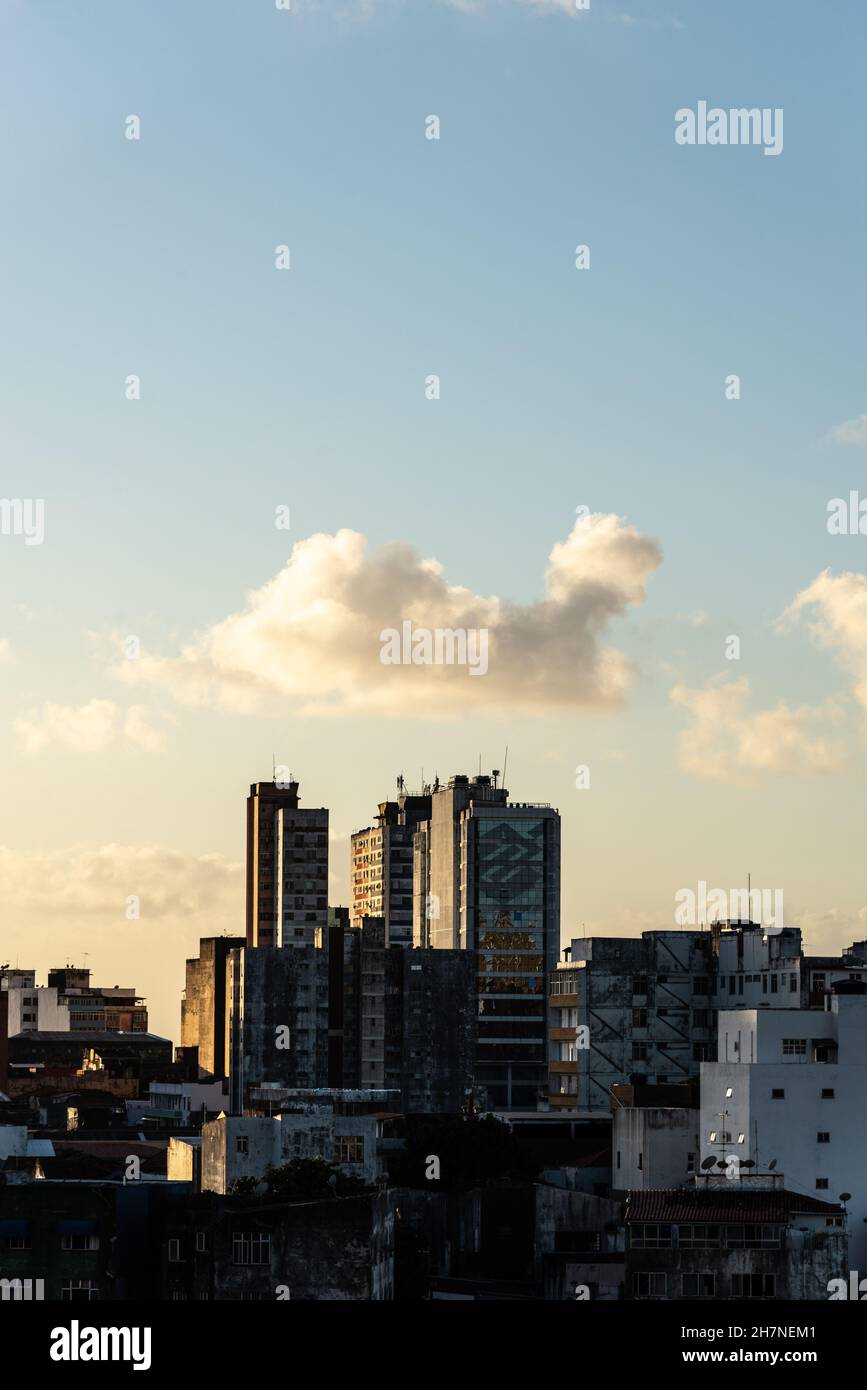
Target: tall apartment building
{"points": [[277, 1020], [382, 869], [643, 1010], [486, 879], [204, 1003], [789, 1087], [287, 867]]}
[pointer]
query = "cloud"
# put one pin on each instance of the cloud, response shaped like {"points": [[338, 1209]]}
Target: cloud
{"points": [[725, 742], [88, 728], [6, 653], [311, 636], [850, 431], [837, 609], [54, 902]]}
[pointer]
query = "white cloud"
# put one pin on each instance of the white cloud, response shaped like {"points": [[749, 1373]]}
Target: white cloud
{"points": [[88, 728], [850, 431], [726, 742], [311, 635], [837, 605]]}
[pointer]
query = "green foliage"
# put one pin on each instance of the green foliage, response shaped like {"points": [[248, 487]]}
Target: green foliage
{"points": [[310, 1178]]}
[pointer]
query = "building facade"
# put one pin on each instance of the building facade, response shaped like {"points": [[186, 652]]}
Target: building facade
{"points": [[287, 867]]}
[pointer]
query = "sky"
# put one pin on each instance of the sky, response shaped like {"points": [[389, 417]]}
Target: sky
{"points": [[247, 472]]}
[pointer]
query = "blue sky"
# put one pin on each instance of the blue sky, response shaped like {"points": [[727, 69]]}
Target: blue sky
{"points": [[559, 388]]}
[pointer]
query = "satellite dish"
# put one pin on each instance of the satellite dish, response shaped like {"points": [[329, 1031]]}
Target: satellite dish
{"points": [[707, 1163], [772, 1165], [721, 1163], [748, 1163], [845, 1196]]}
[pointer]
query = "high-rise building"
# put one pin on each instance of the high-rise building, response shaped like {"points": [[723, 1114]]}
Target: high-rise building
{"points": [[287, 867], [278, 1020], [204, 1004], [487, 879], [382, 874]]}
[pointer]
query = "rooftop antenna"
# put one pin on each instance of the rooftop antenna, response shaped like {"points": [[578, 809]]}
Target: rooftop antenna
{"points": [[274, 768], [505, 765]]}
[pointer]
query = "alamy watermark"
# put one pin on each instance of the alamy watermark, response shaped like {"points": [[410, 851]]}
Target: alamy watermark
{"points": [[23, 516], [763, 906], [424, 646], [737, 126]]}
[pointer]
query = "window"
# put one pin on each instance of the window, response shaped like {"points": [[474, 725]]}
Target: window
{"points": [[773, 984], [650, 1235], [690, 1163], [639, 984], [753, 1285], [639, 1018], [348, 1149], [639, 1051], [645, 1285], [242, 1144], [778, 1094], [17, 1243], [793, 983], [823, 1137], [752, 1237], [251, 1248], [742, 1138], [729, 1092], [79, 1291], [699, 985], [640, 1162], [174, 1250], [79, 1242], [696, 1286], [618, 1158], [201, 1240], [822, 1184], [700, 1018], [794, 1047], [828, 1093], [698, 1237]]}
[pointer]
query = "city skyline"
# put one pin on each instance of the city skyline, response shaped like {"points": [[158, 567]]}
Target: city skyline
{"points": [[586, 489]]}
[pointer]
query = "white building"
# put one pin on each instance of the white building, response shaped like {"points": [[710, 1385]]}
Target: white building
{"points": [[33, 1008], [245, 1146], [789, 1089], [653, 1146]]}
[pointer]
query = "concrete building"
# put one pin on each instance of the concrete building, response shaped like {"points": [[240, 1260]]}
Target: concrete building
{"points": [[246, 1146], [654, 1145], [580, 1245], [32, 1008], [287, 867], [751, 1239], [644, 1009], [644, 1005], [438, 1057], [790, 1086], [486, 879], [204, 1005], [98, 1008], [234, 1249], [382, 865], [278, 1019]]}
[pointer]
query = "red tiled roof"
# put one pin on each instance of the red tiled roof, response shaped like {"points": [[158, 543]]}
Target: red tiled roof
{"points": [[704, 1204]]}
